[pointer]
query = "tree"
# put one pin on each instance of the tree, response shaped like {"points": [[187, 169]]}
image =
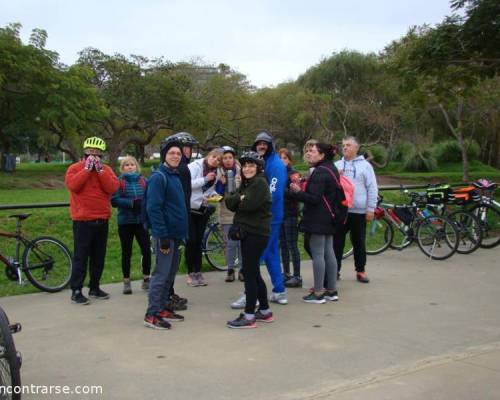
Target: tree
{"points": [[141, 96]]}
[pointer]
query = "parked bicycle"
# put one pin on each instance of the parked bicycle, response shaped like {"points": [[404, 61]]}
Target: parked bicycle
{"points": [[45, 260], [10, 359], [488, 212], [436, 235], [214, 245]]}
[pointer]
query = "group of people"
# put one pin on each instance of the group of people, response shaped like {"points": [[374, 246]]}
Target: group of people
{"points": [[259, 211]]}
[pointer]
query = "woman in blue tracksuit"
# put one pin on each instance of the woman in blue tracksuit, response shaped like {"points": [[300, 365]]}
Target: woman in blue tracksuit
{"points": [[128, 199]]}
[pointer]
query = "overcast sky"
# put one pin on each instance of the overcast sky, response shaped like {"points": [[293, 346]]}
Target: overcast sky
{"points": [[270, 41]]}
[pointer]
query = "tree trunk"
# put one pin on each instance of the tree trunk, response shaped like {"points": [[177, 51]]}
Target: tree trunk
{"points": [[458, 133]]}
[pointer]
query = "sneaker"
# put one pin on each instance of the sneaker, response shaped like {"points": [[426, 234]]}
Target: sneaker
{"points": [[287, 276], [240, 303], [77, 297], [242, 323], [178, 299], [192, 279], [279, 298], [241, 277], [331, 295], [98, 294], [200, 280], [260, 317], [127, 287], [294, 282], [154, 322], [314, 298], [230, 275], [169, 315], [174, 306], [362, 277], [145, 284]]}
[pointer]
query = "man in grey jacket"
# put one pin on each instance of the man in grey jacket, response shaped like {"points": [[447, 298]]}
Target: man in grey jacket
{"points": [[362, 175]]}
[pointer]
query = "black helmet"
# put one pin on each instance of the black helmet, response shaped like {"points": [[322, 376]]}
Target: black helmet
{"points": [[253, 157], [228, 149], [167, 143], [186, 138]]}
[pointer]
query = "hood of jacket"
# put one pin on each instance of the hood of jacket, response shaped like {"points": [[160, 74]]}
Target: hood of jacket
{"points": [[265, 137]]}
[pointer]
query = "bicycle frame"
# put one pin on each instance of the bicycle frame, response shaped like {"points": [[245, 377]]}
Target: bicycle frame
{"points": [[20, 241]]}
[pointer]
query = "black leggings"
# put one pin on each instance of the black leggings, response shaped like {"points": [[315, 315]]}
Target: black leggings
{"points": [[197, 226], [252, 248], [127, 233]]}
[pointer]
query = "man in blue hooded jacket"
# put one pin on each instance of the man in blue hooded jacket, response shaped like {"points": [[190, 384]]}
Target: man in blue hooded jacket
{"points": [[277, 177]]}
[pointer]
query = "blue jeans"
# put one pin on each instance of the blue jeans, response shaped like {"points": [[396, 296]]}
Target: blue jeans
{"points": [[163, 276], [271, 257]]}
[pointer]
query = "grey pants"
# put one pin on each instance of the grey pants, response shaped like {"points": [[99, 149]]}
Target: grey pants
{"points": [[233, 250], [323, 260]]}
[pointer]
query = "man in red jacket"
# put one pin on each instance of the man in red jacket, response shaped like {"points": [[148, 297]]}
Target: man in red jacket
{"points": [[91, 185]]}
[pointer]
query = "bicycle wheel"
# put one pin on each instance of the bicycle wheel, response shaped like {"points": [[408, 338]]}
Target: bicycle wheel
{"points": [[348, 250], [437, 237], [401, 239], [214, 247], [47, 263], [489, 218], [469, 230], [379, 235], [10, 364]]}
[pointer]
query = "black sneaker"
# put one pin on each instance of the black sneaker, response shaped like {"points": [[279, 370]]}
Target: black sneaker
{"points": [[242, 323], [294, 282], [178, 299], [260, 317], [174, 306], [77, 297], [314, 298], [331, 295], [98, 294], [151, 321]]}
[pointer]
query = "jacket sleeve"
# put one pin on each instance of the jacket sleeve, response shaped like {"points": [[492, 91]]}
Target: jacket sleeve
{"points": [[76, 178], [255, 198], [108, 180], [197, 179], [371, 188], [155, 201], [278, 178], [315, 190], [232, 200], [120, 201]]}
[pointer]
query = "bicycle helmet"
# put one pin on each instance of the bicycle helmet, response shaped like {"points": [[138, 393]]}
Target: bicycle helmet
{"points": [[228, 149], [94, 142], [167, 143], [252, 157], [185, 138]]}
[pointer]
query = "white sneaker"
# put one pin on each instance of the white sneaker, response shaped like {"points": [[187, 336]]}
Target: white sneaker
{"points": [[279, 298], [241, 303]]}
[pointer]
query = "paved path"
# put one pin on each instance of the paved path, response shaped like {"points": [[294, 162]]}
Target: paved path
{"points": [[420, 330]]}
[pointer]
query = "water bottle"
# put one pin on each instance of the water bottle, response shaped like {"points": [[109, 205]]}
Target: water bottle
{"points": [[231, 184], [426, 213]]}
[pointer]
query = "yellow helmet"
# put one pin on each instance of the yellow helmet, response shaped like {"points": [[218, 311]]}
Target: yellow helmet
{"points": [[94, 142]]}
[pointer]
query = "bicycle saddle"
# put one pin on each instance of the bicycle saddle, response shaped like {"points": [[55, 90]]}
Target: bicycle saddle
{"points": [[485, 184], [19, 216]]}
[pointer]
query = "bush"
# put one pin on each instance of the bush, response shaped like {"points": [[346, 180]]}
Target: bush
{"points": [[379, 153], [402, 149], [449, 151], [419, 161]]}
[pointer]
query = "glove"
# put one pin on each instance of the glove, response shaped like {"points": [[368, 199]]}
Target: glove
{"points": [[98, 165], [89, 163], [137, 205], [164, 245]]}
